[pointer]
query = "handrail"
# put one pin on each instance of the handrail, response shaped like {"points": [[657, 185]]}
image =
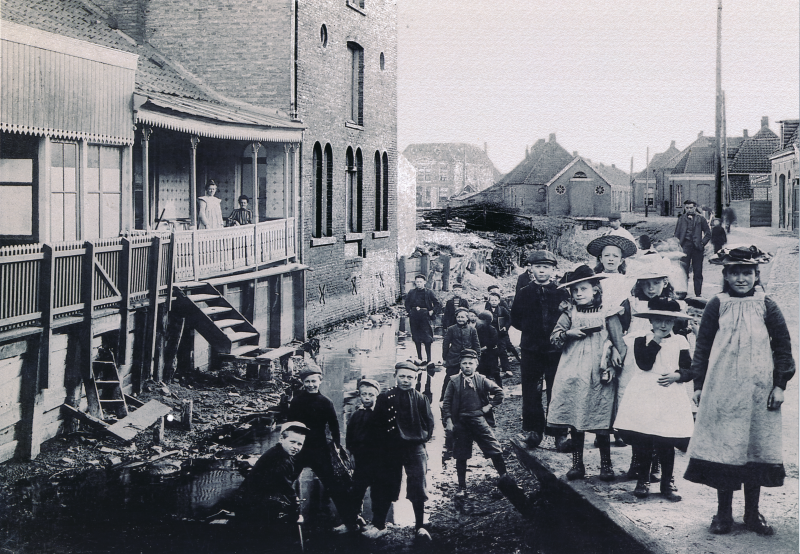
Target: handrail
{"points": [[199, 254]]}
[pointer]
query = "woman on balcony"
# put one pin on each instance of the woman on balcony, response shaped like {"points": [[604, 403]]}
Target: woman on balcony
{"points": [[241, 215], [209, 212]]}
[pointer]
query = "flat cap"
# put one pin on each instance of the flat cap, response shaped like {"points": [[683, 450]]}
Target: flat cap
{"points": [[369, 383], [309, 371], [295, 426], [469, 353], [542, 257], [405, 365], [614, 215]]}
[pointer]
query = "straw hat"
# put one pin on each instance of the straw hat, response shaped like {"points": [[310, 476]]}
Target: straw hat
{"points": [[663, 307], [581, 273], [739, 256], [595, 248]]}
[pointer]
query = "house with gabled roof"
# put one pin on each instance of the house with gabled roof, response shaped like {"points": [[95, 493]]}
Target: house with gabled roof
{"points": [[552, 181], [785, 164], [646, 189]]}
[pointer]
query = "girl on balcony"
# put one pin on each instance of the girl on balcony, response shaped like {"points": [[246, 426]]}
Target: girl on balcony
{"points": [[209, 212]]}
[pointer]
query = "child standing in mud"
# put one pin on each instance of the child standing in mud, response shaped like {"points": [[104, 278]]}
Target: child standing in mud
{"points": [[653, 413], [363, 445], [739, 391], [467, 416], [583, 398]]}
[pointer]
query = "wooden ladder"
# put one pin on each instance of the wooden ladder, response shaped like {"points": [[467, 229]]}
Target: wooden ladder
{"points": [[104, 390]]}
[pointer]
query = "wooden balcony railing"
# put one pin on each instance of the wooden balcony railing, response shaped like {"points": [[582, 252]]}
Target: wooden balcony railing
{"points": [[41, 282]]}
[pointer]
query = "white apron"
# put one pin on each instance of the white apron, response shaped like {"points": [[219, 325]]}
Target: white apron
{"points": [[733, 425], [649, 408]]}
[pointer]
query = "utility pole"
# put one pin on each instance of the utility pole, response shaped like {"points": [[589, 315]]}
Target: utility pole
{"points": [[631, 190], [727, 197], [718, 130], [647, 185]]}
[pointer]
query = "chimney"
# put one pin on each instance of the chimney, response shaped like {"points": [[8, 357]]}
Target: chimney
{"points": [[552, 137], [574, 153], [672, 145], [700, 134], [527, 153], [744, 133], [765, 122], [614, 166]]}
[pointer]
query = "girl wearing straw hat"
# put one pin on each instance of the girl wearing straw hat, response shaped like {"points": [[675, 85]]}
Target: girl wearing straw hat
{"points": [[582, 399], [742, 362], [654, 414]]}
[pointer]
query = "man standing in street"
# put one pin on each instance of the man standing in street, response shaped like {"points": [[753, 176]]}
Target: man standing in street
{"points": [[693, 233]]}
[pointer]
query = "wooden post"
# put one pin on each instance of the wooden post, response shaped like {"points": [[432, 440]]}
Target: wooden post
{"points": [[424, 267], [165, 310], [87, 330], [154, 270], [123, 352], [254, 148], [401, 274], [147, 132], [158, 431], [31, 405], [445, 261], [186, 414], [193, 182], [174, 335], [195, 261]]}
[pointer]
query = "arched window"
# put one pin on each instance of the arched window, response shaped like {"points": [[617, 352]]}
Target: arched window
{"points": [[579, 175], [328, 191], [319, 195], [385, 209], [378, 192], [354, 182]]}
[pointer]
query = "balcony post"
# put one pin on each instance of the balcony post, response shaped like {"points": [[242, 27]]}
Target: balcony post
{"points": [[254, 148], [193, 182], [286, 199], [147, 132], [296, 191]]}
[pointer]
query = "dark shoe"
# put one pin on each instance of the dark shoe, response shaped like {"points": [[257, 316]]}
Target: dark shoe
{"points": [[655, 471], [672, 485], [577, 472], [533, 439], [633, 470], [758, 524], [606, 471], [642, 489], [667, 493], [563, 444], [619, 442], [721, 526]]}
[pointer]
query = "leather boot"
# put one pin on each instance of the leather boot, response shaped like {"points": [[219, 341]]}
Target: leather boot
{"points": [[578, 470], [606, 469], [655, 471], [642, 489], [633, 471], [667, 465]]}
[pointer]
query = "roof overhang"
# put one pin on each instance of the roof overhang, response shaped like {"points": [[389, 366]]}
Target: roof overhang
{"points": [[220, 121]]}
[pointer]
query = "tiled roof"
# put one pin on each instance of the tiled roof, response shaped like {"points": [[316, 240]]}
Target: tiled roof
{"points": [[544, 161], [789, 131], [614, 175], [740, 187], [659, 161], [449, 152], [699, 156], [78, 20], [753, 154]]}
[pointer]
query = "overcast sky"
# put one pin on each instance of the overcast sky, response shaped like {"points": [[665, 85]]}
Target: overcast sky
{"points": [[609, 78]]}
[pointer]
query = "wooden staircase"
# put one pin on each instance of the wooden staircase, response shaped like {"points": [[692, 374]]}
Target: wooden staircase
{"points": [[104, 389], [226, 330]]}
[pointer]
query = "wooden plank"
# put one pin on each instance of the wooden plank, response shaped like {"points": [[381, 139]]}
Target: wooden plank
{"points": [[68, 410], [8, 450], [10, 368], [10, 416], [137, 421], [87, 331], [276, 353], [151, 336]]}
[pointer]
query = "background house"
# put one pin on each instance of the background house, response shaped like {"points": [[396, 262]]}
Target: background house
{"points": [[649, 183], [446, 170], [784, 177]]}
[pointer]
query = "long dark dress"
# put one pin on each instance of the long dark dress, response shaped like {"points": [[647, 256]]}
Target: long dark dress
{"points": [[420, 319]]}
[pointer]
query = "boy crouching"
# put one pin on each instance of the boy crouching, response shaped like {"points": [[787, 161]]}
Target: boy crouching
{"points": [[467, 414]]}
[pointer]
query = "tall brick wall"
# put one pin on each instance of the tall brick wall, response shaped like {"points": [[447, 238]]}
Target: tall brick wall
{"points": [[244, 50], [322, 105]]}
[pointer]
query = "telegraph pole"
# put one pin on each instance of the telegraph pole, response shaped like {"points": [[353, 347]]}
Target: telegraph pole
{"points": [[718, 128]]}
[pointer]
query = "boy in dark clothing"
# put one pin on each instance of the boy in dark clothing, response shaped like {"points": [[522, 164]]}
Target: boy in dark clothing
{"points": [[266, 501], [718, 235], [457, 338], [403, 423], [362, 444], [500, 321], [421, 304], [535, 312], [450, 307], [467, 414], [488, 338], [316, 411]]}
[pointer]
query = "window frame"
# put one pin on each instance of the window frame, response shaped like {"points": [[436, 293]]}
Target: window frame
{"points": [[355, 103]]}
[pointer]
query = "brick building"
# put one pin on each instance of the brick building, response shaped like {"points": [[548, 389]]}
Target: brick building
{"points": [[785, 162], [445, 170], [333, 66], [650, 180]]}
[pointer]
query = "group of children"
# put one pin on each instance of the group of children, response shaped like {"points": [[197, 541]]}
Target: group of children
{"points": [[613, 350], [621, 363]]}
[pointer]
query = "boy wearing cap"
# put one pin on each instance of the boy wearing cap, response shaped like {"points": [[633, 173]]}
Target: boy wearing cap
{"points": [[488, 338], [467, 416], [362, 444], [535, 312], [403, 424], [501, 317], [456, 339], [457, 301], [421, 304], [267, 499], [316, 411], [615, 222]]}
